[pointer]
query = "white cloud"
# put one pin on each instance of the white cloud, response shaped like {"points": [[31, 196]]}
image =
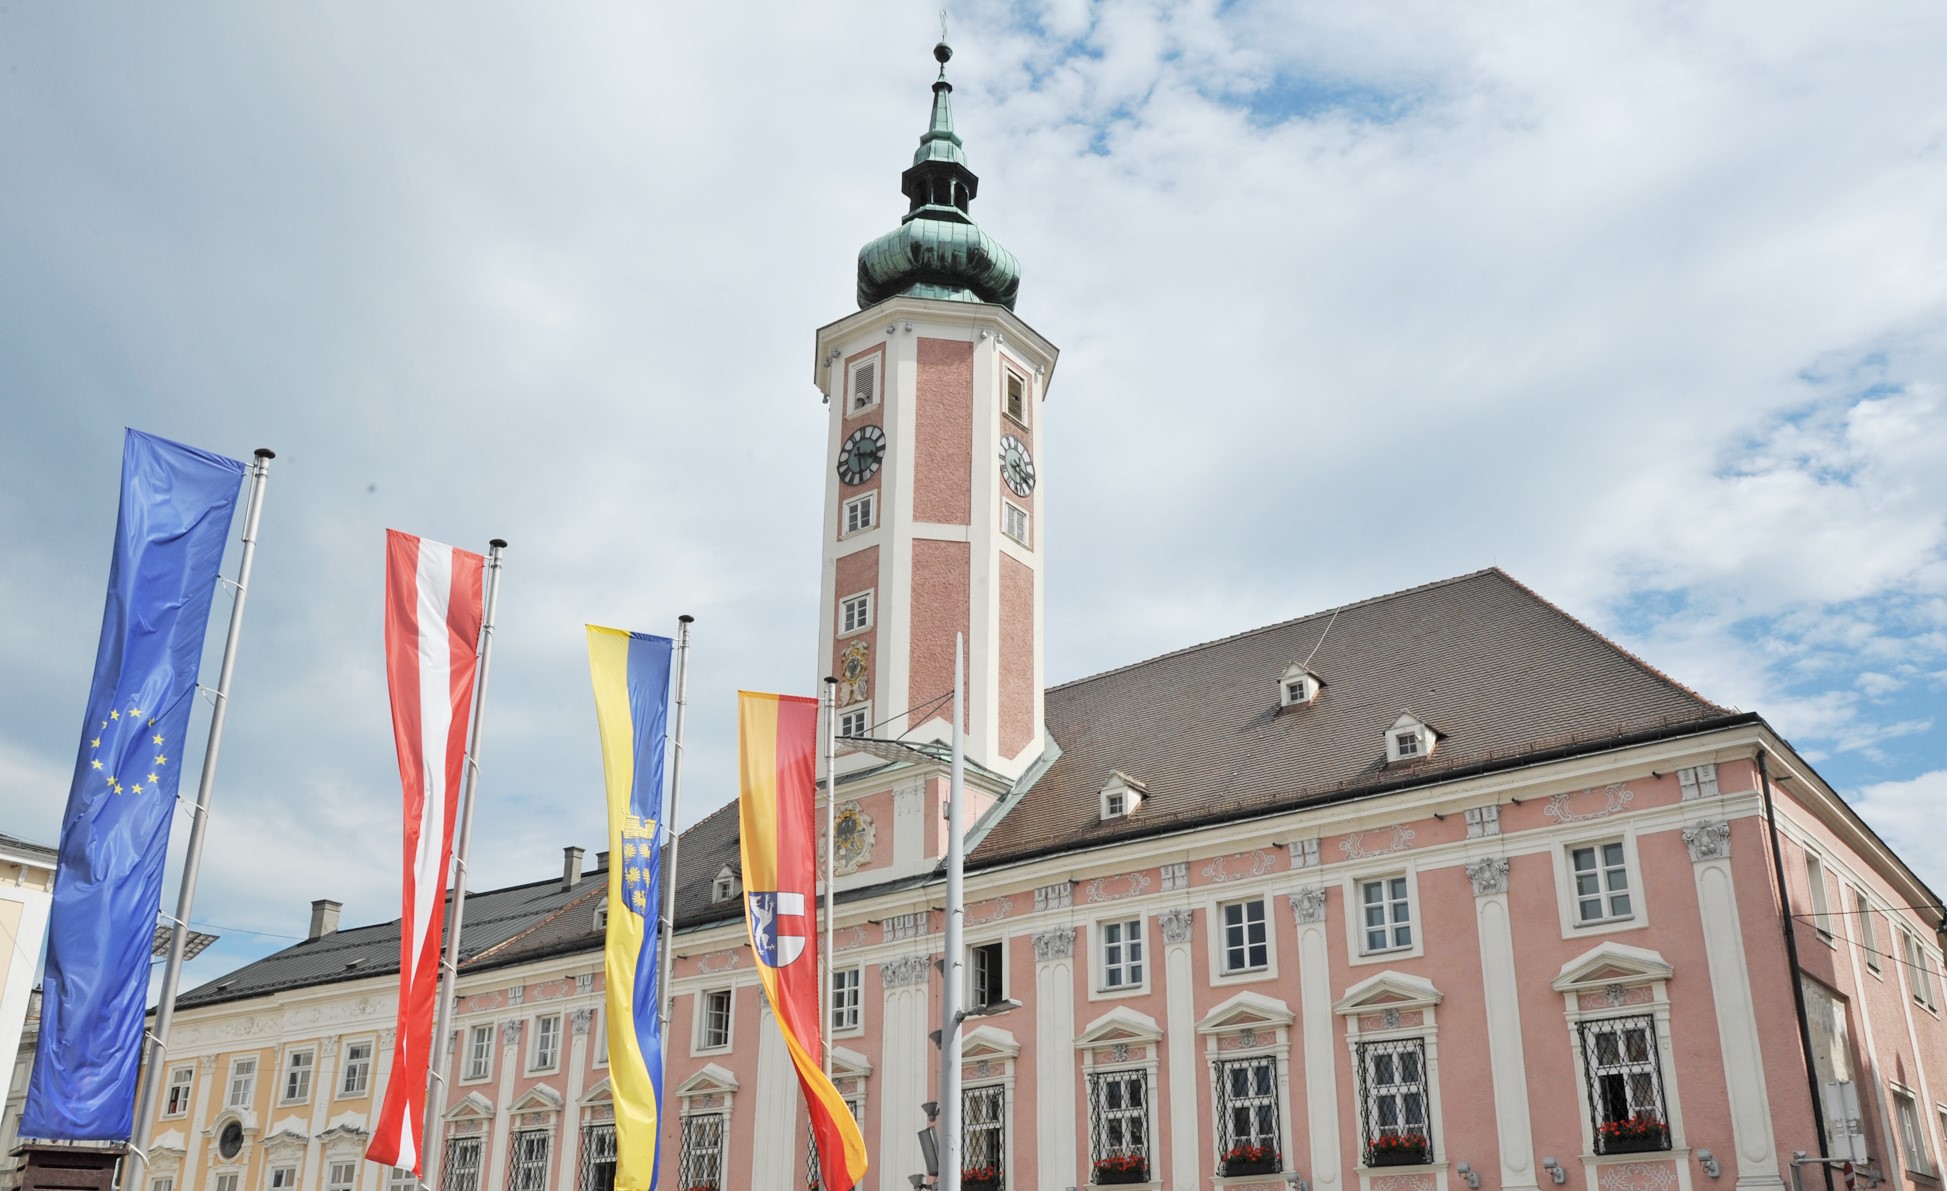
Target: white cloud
{"points": [[1907, 816]]}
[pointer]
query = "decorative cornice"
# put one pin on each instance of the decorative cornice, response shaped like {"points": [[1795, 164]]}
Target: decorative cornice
{"points": [[1489, 875], [1054, 944], [1308, 904], [1176, 924], [1708, 840]]}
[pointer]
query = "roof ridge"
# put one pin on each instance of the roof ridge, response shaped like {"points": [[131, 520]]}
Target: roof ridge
{"points": [[1282, 624], [1628, 654]]}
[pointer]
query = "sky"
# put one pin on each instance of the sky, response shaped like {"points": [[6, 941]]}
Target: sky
{"points": [[1646, 304]]}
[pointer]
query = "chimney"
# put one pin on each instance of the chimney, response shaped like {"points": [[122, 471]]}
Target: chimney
{"points": [[570, 868], [601, 861], [324, 918]]}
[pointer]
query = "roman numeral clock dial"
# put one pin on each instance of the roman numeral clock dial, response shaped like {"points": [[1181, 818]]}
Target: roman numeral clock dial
{"points": [[1017, 466], [859, 458]]}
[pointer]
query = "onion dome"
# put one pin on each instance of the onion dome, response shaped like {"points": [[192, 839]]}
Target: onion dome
{"points": [[937, 251]]}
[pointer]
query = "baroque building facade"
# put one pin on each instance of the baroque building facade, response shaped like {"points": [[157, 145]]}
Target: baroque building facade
{"points": [[1436, 889]]}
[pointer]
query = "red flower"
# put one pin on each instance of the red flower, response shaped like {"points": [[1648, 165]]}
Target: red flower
{"points": [[1122, 1164], [1244, 1151], [1641, 1127], [980, 1174]]}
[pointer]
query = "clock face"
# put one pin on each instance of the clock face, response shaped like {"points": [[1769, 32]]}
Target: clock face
{"points": [[1017, 466], [859, 458]]}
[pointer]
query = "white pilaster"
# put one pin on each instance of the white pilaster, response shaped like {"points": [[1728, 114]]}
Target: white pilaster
{"points": [[907, 1080], [1180, 988], [1506, 1061], [323, 1084], [578, 1025], [1737, 1015], [1054, 1060], [777, 1106], [1318, 1023], [496, 1143]]}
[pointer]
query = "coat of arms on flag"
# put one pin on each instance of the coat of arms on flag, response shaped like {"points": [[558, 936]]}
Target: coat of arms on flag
{"points": [[638, 839], [778, 927]]}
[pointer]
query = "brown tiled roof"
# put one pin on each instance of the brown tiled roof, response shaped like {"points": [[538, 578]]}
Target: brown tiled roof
{"points": [[1498, 672]]}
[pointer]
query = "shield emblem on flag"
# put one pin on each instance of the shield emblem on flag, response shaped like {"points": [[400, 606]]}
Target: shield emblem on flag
{"points": [[779, 927]]}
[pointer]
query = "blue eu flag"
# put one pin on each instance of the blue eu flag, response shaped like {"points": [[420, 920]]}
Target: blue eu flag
{"points": [[169, 537]]}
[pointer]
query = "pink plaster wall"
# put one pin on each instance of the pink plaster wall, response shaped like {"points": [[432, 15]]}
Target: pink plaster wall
{"points": [[943, 433], [1017, 729], [940, 596], [856, 572]]}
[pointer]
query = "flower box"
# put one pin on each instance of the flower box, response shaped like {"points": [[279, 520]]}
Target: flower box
{"points": [[1235, 1167], [1635, 1145], [1397, 1156], [967, 1184], [1121, 1170], [1635, 1135]]}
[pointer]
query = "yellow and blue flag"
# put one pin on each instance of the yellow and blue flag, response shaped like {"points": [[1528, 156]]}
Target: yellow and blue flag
{"points": [[175, 516], [631, 673]]}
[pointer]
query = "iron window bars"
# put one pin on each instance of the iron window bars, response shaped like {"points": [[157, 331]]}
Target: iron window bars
{"points": [[1619, 1059], [527, 1160], [460, 1171], [597, 1171], [1118, 1112], [982, 1136], [1247, 1116], [1392, 1103], [701, 1163]]}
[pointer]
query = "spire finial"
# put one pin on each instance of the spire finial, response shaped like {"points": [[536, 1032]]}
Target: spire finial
{"points": [[942, 51]]}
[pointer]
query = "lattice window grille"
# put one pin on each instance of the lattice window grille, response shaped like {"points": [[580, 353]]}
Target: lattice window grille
{"points": [[1393, 1100], [983, 1137], [1619, 1059], [701, 1162], [527, 1160], [1118, 1114], [460, 1171], [1247, 1105], [597, 1169]]}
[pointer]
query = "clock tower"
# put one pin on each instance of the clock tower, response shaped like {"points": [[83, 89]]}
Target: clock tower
{"points": [[933, 519]]}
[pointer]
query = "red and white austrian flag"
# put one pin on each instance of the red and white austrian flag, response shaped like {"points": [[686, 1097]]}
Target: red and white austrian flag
{"points": [[432, 639]]}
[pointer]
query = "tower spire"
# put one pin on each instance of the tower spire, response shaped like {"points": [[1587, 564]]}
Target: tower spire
{"points": [[938, 251]]}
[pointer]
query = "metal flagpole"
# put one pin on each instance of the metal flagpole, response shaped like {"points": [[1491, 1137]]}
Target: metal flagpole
{"points": [[448, 987], [663, 974], [172, 970], [950, 1012], [830, 997]]}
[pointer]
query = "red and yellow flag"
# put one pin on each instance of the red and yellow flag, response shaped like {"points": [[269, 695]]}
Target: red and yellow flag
{"points": [[778, 784]]}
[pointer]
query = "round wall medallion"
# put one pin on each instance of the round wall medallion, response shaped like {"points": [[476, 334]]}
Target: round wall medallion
{"points": [[229, 1143]]}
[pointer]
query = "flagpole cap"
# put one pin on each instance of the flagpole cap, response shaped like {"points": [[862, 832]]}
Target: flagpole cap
{"points": [[830, 681], [497, 543], [686, 618], [266, 453]]}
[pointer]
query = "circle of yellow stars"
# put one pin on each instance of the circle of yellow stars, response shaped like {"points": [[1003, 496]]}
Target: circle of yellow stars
{"points": [[160, 759]]}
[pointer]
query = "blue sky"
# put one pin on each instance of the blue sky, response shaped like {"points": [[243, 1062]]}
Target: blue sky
{"points": [[1644, 305]]}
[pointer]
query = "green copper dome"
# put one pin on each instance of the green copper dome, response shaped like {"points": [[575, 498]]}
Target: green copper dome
{"points": [[937, 251]]}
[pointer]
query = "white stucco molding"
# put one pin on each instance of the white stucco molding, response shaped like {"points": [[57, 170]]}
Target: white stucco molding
{"points": [[1120, 1024], [1388, 990], [849, 1062], [712, 1078], [539, 1098], [1612, 963], [472, 1106], [599, 1094], [989, 1042], [1245, 1009]]}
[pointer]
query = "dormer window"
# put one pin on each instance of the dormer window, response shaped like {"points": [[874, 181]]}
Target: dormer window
{"points": [[726, 886], [1122, 797], [1409, 739], [1297, 686]]}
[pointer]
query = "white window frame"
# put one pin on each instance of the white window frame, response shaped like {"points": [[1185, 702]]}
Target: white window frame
{"points": [[1606, 893], [859, 514], [1352, 895], [1132, 931], [1406, 727], [1819, 908], [860, 602], [847, 994], [1913, 1132], [1396, 889], [855, 720], [874, 360], [479, 1064], [706, 1001], [243, 1073], [1027, 395], [335, 1169], [986, 954], [684, 1144], [1220, 938], [1867, 934], [227, 1180], [283, 1178], [181, 1079], [1919, 973], [1370, 1094], [292, 1069], [725, 886], [1275, 1098], [163, 1183], [1566, 901], [538, 1061], [1014, 517], [1097, 1078], [529, 1162], [397, 1179], [347, 1067], [455, 1145]]}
